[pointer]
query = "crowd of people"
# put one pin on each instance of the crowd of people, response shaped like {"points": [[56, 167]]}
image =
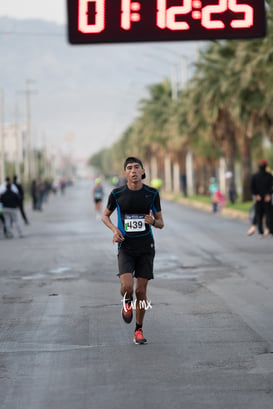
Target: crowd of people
{"points": [[261, 188], [12, 199]]}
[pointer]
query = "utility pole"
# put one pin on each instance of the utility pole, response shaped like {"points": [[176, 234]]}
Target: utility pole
{"points": [[184, 71], [174, 82], [17, 142], [28, 160], [2, 136]]}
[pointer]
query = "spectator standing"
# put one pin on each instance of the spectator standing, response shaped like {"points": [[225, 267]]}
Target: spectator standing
{"points": [[21, 198], [34, 194], [62, 186], [232, 193], [2, 218], [3, 187], [40, 189], [213, 190], [261, 189], [10, 202]]}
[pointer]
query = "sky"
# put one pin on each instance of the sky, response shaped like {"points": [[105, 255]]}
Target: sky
{"points": [[143, 65], [51, 10]]}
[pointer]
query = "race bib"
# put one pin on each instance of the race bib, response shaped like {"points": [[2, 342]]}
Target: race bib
{"points": [[98, 195], [134, 223]]}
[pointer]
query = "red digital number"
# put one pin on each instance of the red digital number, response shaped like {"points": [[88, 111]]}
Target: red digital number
{"points": [[248, 11], [223, 6], [166, 17], [208, 11], [166, 20], [129, 13], [99, 24]]}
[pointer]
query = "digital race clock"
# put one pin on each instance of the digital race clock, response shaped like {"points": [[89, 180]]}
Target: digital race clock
{"points": [[114, 21]]}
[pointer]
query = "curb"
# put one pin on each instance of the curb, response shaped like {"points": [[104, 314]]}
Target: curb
{"points": [[230, 213]]}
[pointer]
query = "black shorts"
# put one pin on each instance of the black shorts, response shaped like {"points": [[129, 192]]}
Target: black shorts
{"points": [[138, 262], [97, 200]]}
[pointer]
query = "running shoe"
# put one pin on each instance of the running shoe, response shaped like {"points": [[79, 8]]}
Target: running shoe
{"points": [[127, 313], [139, 338]]}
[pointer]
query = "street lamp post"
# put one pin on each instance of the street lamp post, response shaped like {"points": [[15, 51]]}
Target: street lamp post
{"points": [[17, 142], [2, 136], [28, 160]]}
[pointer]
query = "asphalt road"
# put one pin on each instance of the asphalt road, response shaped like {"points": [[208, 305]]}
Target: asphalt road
{"points": [[64, 345]]}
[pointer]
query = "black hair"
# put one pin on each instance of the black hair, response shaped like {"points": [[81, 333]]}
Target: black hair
{"points": [[133, 159]]}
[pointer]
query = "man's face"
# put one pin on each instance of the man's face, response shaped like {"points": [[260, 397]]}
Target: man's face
{"points": [[134, 172]]}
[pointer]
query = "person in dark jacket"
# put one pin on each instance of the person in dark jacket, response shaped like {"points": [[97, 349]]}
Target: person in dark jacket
{"points": [[34, 194], [2, 218], [21, 198], [10, 202], [261, 189]]}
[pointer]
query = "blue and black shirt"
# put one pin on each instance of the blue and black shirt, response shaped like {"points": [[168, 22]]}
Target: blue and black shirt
{"points": [[132, 206]]}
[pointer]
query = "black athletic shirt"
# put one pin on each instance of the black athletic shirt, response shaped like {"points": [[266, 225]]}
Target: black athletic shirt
{"points": [[132, 206]]}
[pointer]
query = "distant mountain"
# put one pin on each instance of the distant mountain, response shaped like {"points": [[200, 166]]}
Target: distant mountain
{"points": [[90, 90]]}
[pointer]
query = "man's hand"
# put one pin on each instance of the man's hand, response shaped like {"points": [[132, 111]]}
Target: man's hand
{"points": [[149, 218], [117, 237]]}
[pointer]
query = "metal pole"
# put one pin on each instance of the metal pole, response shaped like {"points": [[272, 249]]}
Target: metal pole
{"points": [[174, 82], [184, 71], [28, 162], [2, 136], [17, 142], [28, 143], [190, 173], [168, 173], [176, 177]]}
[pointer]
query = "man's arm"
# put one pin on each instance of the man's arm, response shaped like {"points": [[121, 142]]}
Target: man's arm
{"points": [[155, 220], [117, 237], [159, 223]]}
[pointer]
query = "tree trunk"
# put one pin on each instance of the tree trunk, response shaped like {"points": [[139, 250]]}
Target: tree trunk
{"points": [[168, 173], [245, 151]]}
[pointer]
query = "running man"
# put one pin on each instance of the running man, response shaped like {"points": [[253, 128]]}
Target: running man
{"points": [[138, 207], [97, 194]]}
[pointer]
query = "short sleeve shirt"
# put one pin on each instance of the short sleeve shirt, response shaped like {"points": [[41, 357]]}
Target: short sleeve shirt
{"points": [[132, 206]]}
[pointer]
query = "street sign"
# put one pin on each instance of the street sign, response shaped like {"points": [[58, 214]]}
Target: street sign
{"points": [[117, 21]]}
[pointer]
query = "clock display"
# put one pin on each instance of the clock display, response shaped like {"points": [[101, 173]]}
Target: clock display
{"points": [[115, 21]]}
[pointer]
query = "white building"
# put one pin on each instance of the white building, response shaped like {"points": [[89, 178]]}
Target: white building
{"points": [[14, 143]]}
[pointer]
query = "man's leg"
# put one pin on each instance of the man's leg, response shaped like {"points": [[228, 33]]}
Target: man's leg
{"points": [[141, 299], [4, 224], [126, 290], [16, 222], [267, 210], [22, 211], [8, 220], [127, 285], [259, 216]]}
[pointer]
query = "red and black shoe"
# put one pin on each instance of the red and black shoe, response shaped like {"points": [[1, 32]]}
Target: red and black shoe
{"points": [[139, 338], [127, 313]]}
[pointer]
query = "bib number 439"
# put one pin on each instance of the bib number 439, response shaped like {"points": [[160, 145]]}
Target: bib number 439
{"points": [[134, 223]]}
